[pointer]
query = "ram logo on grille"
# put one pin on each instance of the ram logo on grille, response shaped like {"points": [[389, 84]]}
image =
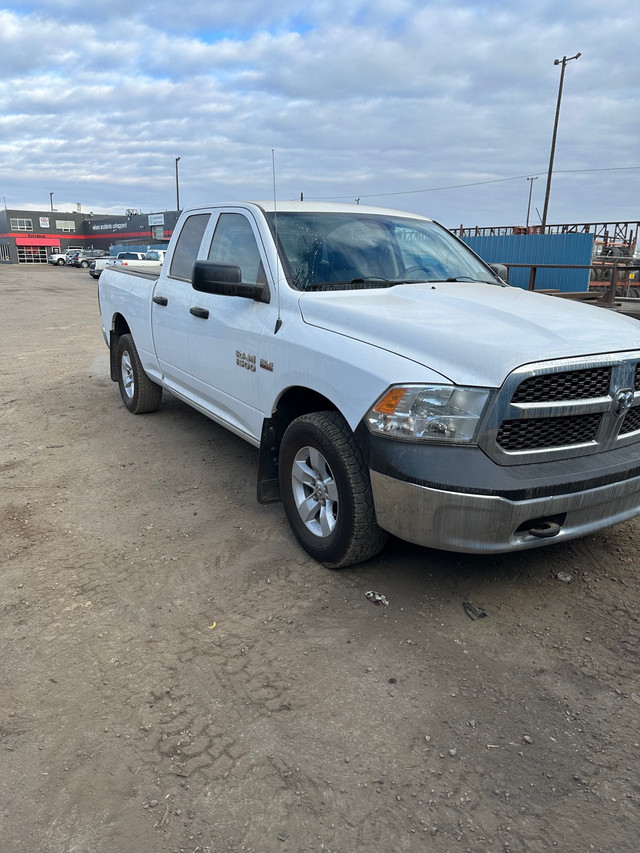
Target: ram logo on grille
{"points": [[622, 401], [563, 409]]}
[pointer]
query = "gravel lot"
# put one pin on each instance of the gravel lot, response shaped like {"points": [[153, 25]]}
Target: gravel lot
{"points": [[178, 675]]}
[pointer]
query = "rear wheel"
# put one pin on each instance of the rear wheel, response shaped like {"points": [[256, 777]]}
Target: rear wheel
{"points": [[139, 393], [326, 491]]}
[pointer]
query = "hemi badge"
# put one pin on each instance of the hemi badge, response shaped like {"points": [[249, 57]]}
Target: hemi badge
{"points": [[266, 365]]}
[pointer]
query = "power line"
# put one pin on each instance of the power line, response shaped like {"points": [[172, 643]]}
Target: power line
{"points": [[474, 183]]}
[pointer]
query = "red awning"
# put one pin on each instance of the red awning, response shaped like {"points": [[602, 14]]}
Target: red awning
{"points": [[38, 241]]}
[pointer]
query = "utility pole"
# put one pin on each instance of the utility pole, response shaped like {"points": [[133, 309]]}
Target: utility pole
{"points": [[562, 62], [531, 180], [177, 186]]}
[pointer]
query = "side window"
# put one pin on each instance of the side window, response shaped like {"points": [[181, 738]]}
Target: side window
{"points": [[186, 251], [233, 243]]}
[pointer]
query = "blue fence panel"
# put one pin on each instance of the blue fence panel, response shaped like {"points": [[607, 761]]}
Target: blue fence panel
{"points": [[539, 249]]}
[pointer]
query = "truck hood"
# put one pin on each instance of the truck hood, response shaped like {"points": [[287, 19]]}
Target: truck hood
{"points": [[471, 333]]}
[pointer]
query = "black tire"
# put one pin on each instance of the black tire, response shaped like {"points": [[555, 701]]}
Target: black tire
{"points": [[326, 491], [60, 262], [84, 264], [139, 394]]}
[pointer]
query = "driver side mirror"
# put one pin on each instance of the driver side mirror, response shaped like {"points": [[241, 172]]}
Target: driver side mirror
{"points": [[225, 280]]}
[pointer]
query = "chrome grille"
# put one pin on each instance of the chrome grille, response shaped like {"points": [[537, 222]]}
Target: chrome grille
{"points": [[631, 421], [564, 408], [570, 385], [535, 433]]}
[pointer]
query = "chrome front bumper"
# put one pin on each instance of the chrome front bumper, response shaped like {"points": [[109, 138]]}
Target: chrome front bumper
{"points": [[483, 524]]}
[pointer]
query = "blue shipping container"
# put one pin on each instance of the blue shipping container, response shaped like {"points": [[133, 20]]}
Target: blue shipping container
{"points": [[539, 249]]}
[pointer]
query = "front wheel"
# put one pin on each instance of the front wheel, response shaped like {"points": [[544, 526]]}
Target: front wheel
{"points": [[326, 491], [138, 392], [60, 262]]}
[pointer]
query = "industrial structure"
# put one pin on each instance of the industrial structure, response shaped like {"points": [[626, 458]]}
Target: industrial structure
{"points": [[622, 236], [577, 256]]}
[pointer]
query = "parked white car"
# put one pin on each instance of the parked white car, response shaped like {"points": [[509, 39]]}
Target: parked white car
{"points": [[59, 259]]}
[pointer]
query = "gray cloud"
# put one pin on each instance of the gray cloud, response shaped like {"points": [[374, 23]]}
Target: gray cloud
{"points": [[358, 99]]}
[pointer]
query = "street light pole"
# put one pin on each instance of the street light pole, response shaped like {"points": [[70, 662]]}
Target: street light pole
{"points": [[531, 180], [177, 186], [562, 62]]}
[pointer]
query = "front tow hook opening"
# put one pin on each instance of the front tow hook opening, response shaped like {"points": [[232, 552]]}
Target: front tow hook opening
{"points": [[543, 528]]}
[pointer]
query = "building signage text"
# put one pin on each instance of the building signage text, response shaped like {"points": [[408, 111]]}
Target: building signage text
{"points": [[117, 226]]}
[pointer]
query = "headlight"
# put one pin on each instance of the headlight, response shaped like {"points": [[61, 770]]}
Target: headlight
{"points": [[439, 413]]}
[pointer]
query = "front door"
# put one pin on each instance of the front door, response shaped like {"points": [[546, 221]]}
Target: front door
{"points": [[226, 330], [172, 298]]}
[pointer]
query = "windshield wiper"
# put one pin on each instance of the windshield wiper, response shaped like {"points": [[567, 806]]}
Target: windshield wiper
{"points": [[469, 278], [351, 284], [415, 280]]}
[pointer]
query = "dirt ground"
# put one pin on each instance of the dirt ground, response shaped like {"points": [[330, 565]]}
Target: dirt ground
{"points": [[177, 675]]}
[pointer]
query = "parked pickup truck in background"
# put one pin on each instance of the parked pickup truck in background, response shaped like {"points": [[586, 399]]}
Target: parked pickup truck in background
{"points": [[97, 265], [149, 260], [392, 382], [125, 259], [121, 259], [156, 255]]}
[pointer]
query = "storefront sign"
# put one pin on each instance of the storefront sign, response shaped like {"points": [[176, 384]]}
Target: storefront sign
{"points": [[37, 240]]}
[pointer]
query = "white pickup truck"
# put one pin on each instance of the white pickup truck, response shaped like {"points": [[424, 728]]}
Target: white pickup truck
{"points": [[141, 260], [390, 379], [122, 259]]}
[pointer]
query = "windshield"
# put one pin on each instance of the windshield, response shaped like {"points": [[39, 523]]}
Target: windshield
{"points": [[348, 251]]}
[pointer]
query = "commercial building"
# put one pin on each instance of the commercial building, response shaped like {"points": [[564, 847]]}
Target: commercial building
{"points": [[30, 236]]}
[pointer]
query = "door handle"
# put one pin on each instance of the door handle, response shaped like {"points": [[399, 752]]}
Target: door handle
{"points": [[161, 300], [199, 312]]}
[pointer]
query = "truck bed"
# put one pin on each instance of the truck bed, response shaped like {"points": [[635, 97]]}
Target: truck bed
{"points": [[141, 273]]}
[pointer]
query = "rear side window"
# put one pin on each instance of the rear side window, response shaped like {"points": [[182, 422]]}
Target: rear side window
{"points": [[186, 250]]}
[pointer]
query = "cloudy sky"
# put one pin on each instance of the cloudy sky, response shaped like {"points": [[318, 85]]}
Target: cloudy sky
{"points": [[444, 108]]}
